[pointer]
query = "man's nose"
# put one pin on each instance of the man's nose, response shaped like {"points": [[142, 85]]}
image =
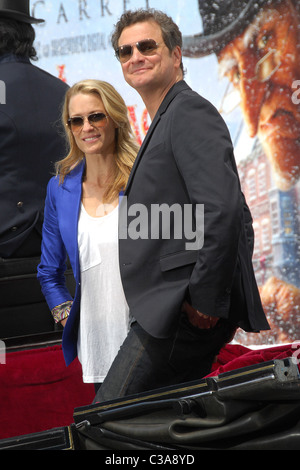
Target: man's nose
{"points": [[137, 56]]}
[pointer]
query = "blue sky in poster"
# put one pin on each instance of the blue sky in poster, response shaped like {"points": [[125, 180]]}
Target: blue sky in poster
{"points": [[75, 42]]}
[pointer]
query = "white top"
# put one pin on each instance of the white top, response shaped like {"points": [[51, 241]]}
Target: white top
{"points": [[103, 309]]}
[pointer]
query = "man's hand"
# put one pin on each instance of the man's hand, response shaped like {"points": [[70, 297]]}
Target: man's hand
{"points": [[198, 319]]}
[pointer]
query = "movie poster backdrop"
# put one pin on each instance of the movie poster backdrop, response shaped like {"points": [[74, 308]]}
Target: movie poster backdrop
{"points": [[244, 57]]}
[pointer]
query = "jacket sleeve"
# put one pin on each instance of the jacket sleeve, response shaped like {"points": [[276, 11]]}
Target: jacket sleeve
{"points": [[203, 151], [52, 267]]}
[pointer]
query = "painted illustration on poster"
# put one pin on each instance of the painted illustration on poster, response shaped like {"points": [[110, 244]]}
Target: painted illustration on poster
{"points": [[256, 45], [243, 56]]}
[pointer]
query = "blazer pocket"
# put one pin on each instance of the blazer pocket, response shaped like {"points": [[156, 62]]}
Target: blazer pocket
{"points": [[176, 260], [89, 253]]}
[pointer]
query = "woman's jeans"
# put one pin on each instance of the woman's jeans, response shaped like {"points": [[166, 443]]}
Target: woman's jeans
{"points": [[146, 363]]}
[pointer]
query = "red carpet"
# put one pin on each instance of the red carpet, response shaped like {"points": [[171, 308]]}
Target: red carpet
{"points": [[38, 392]]}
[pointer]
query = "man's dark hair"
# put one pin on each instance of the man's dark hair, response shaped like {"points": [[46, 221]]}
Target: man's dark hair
{"points": [[17, 38], [170, 32]]}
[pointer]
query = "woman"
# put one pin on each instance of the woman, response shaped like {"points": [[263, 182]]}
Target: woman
{"points": [[81, 221]]}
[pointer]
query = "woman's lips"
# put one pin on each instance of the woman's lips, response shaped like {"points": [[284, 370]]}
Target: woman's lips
{"points": [[91, 138]]}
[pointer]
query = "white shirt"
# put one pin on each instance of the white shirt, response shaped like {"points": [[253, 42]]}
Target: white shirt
{"points": [[104, 313]]}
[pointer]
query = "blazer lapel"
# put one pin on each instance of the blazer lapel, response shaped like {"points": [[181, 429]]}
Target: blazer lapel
{"points": [[142, 149], [177, 88]]}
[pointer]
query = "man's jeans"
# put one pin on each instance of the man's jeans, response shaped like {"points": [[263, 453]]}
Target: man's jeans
{"points": [[146, 363]]}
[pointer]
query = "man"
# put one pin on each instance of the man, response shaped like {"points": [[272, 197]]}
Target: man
{"points": [[29, 135], [186, 303]]}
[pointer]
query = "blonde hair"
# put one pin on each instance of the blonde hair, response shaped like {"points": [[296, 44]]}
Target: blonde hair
{"points": [[126, 145]]}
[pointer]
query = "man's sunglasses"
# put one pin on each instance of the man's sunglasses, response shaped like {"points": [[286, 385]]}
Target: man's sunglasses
{"points": [[146, 47], [95, 119]]}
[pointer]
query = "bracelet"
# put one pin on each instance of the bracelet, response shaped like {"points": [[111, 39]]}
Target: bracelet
{"points": [[62, 311]]}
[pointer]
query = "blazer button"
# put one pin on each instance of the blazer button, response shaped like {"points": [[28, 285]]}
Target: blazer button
{"points": [[14, 229], [20, 204]]}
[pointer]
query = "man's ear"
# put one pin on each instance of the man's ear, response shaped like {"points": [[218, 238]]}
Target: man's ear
{"points": [[177, 55]]}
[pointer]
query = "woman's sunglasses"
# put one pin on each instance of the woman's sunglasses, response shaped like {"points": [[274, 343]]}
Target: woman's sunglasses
{"points": [[146, 47], [96, 119]]}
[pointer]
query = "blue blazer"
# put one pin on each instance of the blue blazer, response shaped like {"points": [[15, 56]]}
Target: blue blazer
{"points": [[60, 229]]}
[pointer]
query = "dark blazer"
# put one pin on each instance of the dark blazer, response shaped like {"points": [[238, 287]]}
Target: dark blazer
{"points": [[187, 158], [30, 142]]}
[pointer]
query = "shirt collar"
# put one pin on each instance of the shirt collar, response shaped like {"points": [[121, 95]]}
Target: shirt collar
{"points": [[13, 58]]}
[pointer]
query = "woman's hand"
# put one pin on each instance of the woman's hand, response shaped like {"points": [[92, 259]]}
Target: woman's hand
{"points": [[63, 322]]}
